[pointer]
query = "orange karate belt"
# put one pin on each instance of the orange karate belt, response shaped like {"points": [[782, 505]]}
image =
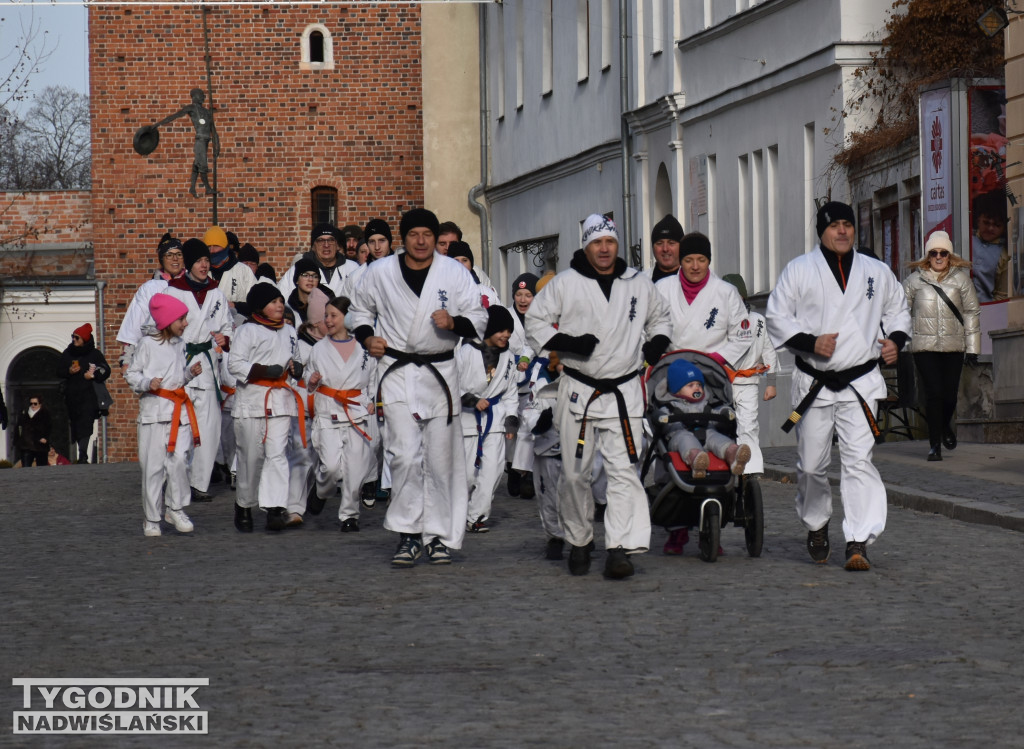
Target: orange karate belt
{"points": [[346, 398], [752, 372], [281, 383], [228, 392], [179, 397]]}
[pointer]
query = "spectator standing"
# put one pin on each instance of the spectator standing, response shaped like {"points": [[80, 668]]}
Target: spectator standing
{"points": [[80, 366], [34, 426]]}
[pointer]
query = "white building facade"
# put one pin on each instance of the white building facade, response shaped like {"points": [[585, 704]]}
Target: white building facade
{"points": [[730, 118]]}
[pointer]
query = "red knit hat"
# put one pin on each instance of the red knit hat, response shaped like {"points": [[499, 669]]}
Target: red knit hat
{"points": [[84, 332]]}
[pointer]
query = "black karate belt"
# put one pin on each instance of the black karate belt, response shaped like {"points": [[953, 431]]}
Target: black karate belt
{"points": [[603, 387], [401, 359], [192, 350], [834, 381]]}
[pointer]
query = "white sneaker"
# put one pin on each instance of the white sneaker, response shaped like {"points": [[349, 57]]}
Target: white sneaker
{"points": [[149, 528], [179, 520]]}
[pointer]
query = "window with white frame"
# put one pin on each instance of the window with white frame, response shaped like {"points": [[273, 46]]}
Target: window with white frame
{"points": [[316, 48]]}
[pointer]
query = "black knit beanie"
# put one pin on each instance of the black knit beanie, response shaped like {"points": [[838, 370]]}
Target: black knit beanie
{"points": [[460, 249], [248, 254], [498, 319], [695, 243], [667, 228], [377, 226], [167, 243], [526, 281], [194, 250], [418, 217], [831, 212], [304, 265], [260, 295]]}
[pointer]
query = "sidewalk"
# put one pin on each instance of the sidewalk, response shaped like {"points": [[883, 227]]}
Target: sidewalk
{"points": [[976, 483]]}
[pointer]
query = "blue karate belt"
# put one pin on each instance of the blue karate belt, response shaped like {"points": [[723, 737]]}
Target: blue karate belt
{"points": [[204, 348], [483, 431]]}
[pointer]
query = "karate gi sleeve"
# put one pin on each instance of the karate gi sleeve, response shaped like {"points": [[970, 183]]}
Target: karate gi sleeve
{"points": [[134, 375], [543, 316], [364, 305], [736, 346], [239, 363], [782, 313], [896, 311], [130, 331]]}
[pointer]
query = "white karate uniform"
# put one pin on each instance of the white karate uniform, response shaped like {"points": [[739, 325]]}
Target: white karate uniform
{"points": [[236, 281], [213, 317], [137, 317], [746, 391], [344, 454], [713, 323], [262, 422], [501, 384], [635, 313], [424, 452], [166, 360], [807, 299], [226, 451], [300, 457]]}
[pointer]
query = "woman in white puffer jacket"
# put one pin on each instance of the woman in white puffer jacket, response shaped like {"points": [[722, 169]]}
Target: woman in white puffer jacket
{"points": [[941, 335]]}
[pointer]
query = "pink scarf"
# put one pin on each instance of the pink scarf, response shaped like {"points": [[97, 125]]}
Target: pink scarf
{"points": [[691, 290]]}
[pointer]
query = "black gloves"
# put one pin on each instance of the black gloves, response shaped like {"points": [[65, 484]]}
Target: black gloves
{"points": [[544, 423], [972, 360], [297, 369], [265, 372], [581, 345], [655, 348]]}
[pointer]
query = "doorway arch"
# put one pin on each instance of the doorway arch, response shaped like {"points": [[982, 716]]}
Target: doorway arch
{"points": [[34, 372]]}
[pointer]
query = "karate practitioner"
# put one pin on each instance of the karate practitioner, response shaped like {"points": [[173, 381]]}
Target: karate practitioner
{"points": [[838, 310], [665, 238], [422, 303], [604, 311], [262, 356], [524, 288], [487, 379], [325, 252], [206, 337], [137, 317], [746, 386]]}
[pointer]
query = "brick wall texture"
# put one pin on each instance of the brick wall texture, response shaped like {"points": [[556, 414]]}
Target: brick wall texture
{"points": [[283, 131], [31, 223]]}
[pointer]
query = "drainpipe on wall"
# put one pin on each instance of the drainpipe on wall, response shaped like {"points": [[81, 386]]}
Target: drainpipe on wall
{"points": [[100, 285], [477, 190], [627, 198]]}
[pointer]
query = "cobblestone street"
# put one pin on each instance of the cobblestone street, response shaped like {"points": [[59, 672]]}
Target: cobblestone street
{"points": [[309, 638]]}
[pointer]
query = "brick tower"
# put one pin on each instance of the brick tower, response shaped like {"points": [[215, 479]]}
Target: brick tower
{"points": [[309, 103]]}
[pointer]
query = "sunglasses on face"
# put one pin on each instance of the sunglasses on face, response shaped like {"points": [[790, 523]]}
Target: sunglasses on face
{"points": [[33, 403], [938, 253]]}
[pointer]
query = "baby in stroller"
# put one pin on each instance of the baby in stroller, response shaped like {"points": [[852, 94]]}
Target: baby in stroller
{"points": [[685, 382]]}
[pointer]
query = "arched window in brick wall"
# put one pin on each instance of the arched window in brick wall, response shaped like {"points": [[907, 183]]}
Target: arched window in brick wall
{"points": [[316, 48], [325, 205]]}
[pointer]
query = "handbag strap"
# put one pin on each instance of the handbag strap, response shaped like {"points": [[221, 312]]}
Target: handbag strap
{"points": [[948, 301]]}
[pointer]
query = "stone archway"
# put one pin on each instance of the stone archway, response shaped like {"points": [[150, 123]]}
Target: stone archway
{"points": [[662, 195], [33, 372]]}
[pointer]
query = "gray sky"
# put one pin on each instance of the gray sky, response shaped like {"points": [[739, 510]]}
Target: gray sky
{"points": [[65, 27]]}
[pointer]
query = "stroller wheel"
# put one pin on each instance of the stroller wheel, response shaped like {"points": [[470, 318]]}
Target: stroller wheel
{"points": [[753, 516], [710, 532]]}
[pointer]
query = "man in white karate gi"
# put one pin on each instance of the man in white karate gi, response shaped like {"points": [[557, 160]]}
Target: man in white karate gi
{"points": [[604, 312], [838, 310], [423, 303]]}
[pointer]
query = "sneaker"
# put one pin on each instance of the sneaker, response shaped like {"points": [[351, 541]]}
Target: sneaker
{"points": [[368, 494], [817, 545], [478, 527], [200, 496], [179, 520], [618, 566], [857, 557], [243, 519], [438, 553], [150, 528], [293, 520], [410, 548], [277, 518], [314, 503], [553, 550], [677, 539], [579, 560], [949, 438], [739, 463], [350, 525]]}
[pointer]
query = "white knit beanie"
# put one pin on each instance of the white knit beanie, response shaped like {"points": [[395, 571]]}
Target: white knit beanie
{"points": [[597, 226]]}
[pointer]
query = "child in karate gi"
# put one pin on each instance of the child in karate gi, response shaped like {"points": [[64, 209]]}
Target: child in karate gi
{"points": [[686, 382], [262, 356], [158, 373], [340, 373], [488, 377]]}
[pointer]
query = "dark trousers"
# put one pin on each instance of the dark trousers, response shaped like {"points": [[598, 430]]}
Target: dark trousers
{"points": [[940, 381], [37, 456]]}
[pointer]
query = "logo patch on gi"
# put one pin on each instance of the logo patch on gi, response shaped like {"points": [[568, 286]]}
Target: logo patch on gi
{"points": [[442, 297], [760, 328], [632, 309], [215, 308], [366, 359], [745, 324], [574, 397], [871, 286], [710, 322]]}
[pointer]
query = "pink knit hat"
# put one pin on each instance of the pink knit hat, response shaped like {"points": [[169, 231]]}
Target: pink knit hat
{"points": [[165, 309]]}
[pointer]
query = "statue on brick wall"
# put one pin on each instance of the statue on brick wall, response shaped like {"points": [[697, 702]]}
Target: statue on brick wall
{"points": [[148, 137]]}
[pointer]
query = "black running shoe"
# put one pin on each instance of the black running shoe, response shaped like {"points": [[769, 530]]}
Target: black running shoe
{"points": [[818, 546], [857, 557]]}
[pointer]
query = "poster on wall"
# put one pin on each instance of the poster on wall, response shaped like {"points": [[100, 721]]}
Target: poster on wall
{"points": [[986, 172], [936, 162]]}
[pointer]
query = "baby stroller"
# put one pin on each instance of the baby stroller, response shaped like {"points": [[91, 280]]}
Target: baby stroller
{"points": [[677, 498]]}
